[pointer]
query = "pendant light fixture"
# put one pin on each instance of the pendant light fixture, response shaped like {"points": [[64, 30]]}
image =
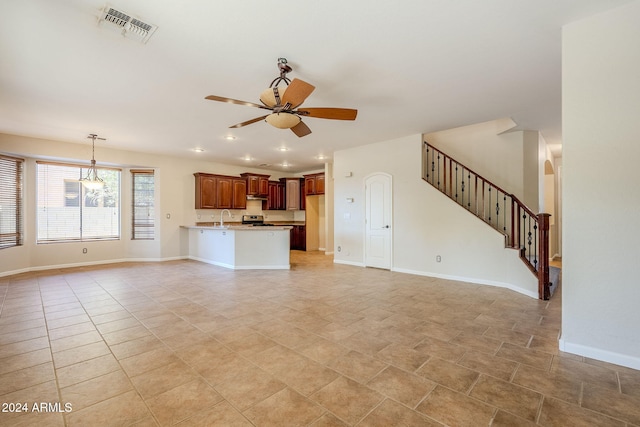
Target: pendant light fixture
{"points": [[92, 181]]}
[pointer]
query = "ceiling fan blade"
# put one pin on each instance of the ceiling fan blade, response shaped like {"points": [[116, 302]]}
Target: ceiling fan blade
{"points": [[235, 101], [296, 93], [248, 122], [301, 129], [329, 113]]}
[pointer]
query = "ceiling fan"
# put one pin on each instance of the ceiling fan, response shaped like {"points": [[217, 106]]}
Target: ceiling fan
{"points": [[284, 102]]}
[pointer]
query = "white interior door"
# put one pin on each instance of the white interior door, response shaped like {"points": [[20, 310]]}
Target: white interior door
{"points": [[378, 221]]}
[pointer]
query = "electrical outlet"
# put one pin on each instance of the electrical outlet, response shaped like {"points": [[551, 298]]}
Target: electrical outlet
{"points": [[438, 258], [84, 250]]}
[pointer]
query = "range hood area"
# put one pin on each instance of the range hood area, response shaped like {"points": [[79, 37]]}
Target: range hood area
{"points": [[253, 197]]}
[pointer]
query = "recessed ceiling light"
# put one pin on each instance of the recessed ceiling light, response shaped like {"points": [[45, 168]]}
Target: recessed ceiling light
{"points": [[285, 165], [321, 157], [198, 150], [229, 137], [247, 158], [283, 149]]}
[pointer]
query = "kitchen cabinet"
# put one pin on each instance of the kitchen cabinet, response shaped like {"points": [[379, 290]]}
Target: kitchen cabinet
{"points": [[220, 192], [314, 184], [257, 185], [292, 190], [276, 199], [206, 191], [239, 197], [298, 239]]}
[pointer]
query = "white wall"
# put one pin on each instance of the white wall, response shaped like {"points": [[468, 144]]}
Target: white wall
{"points": [[328, 206], [175, 196], [601, 195], [510, 159], [425, 222]]}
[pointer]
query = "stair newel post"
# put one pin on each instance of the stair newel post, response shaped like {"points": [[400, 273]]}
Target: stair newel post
{"points": [[543, 256]]}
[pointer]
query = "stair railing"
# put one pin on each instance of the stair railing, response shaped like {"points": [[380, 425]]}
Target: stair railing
{"points": [[523, 229]]}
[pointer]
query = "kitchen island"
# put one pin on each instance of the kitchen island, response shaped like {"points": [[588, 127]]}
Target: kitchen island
{"points": [[241, 247]]}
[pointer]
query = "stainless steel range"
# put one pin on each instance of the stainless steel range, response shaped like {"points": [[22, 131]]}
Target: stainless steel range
{"points": [[255, 220]]}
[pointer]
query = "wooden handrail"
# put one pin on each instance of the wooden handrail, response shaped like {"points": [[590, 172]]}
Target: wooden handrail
{"points": [[523, 229]]}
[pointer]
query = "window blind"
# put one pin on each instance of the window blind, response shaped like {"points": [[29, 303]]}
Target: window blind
{"points": [[11, 170], [143, 212], [67, 211]]}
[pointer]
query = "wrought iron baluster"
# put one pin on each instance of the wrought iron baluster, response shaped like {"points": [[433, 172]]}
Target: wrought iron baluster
{"points": [[529, 239], [535, 245], [497, 211], [457, 183], [504, 213], [462, 189], [489, 204], [469, 194], [426, 162], [438, 169]]}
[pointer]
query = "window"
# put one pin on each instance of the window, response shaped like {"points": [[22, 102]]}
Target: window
{"points": [[143, 213], [10, 201], [67, 211]]}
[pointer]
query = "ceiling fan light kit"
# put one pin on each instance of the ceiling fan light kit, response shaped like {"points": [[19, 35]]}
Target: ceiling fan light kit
{"points": [[282, 120], [283, 101]]}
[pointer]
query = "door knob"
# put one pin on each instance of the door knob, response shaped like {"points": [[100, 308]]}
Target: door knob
{"points": [[386, 226]]}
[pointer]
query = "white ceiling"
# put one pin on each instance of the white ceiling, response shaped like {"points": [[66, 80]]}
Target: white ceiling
{"points": [[409, 67]]}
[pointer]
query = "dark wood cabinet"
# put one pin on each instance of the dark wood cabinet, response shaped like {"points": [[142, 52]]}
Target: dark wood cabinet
{"points": [[206, 191], [276, 197], [257, 185], [293, 193], [320, 184], [239, 197], [225, 193], [298, 238], [314, 184], [220, 191]]}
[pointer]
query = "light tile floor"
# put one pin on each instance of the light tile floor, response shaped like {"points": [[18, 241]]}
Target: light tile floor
{"points": [[192, 344]]}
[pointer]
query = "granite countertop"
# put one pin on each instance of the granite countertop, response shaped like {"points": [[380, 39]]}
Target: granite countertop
{"points": [[239, 224], [236, 226]]}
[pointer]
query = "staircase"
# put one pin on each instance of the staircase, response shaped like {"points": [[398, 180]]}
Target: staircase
{"points": [[523, 229]]}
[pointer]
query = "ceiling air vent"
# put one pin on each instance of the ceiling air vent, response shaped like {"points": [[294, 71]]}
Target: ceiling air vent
{"points": [[131, 27]]}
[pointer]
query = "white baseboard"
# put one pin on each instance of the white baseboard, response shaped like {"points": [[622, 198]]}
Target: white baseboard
{"points": [[87, 264], [355, 264], [470, 280], [328, 253], [600, 354]]}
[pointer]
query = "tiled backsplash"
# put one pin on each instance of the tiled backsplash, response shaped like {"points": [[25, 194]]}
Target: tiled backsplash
{"points": [[254, 207]]}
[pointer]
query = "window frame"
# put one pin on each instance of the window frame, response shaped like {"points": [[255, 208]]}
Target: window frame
{"points": [[140, 228], [82, 204], [15, 237]]}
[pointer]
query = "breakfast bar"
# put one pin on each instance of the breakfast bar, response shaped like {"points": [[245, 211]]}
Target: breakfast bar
{"points": [[241, 247]]}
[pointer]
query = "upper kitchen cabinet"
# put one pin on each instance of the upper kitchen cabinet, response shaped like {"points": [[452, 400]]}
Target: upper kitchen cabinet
{"points": [[293, 188], [220, 191], [314, 184], [257, 185], [276, 199], [206, 191], [236, 197]]}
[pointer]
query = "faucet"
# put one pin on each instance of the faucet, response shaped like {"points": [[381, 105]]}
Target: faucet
{"points": [[222, 213]]}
